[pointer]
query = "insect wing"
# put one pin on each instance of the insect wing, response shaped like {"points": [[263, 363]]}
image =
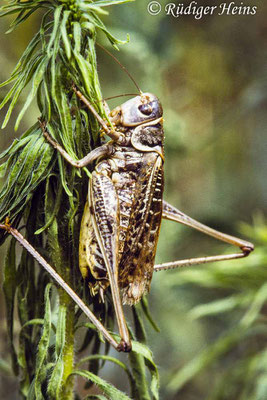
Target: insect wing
{"points": [[103, 201], [136, 266], [104, 205]]}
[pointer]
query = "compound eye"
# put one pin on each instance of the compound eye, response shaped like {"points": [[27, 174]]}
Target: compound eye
{"points": [[145, 109]]}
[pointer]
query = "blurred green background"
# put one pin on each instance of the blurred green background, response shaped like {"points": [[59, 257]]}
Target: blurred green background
{"points": [[210, 75]]}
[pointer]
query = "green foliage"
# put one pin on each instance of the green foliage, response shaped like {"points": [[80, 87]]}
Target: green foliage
{"points": [[109, 390], [209, 75], [46, 196]]}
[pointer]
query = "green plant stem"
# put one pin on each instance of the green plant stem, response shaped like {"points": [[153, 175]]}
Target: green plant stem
{"points": [[68, 350]]}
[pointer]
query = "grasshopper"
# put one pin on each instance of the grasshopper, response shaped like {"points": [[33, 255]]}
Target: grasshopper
{"points": [[123, 213]]}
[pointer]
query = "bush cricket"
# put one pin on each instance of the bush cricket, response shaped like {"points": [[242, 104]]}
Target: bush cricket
{"points": [[122, 216]]}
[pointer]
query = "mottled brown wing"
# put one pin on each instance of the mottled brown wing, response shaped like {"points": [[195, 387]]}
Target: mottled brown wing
{"points": [[136, 265], [104, 205]]}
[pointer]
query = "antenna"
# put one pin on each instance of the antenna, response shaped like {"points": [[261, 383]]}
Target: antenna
{"points": [[120, 95], [122, 67]]}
